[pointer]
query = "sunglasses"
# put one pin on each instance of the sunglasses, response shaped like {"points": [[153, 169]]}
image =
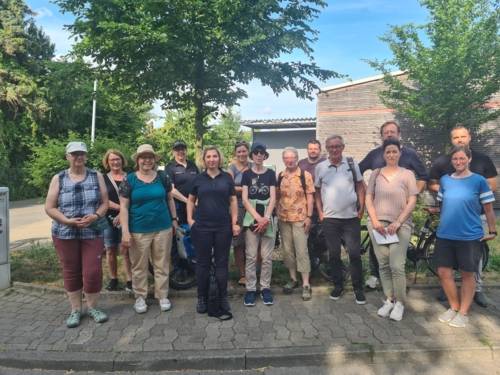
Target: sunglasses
{"points": [[259, 152]]}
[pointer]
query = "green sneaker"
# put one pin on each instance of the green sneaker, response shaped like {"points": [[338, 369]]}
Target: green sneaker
{"points": [[98, 315], [73, 319]]}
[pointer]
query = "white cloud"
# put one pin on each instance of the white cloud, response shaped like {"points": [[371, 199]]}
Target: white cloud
{"points": [[42, 12]]}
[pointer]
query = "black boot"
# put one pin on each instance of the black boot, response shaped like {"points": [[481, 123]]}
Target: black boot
{"points": [[202, 305]]}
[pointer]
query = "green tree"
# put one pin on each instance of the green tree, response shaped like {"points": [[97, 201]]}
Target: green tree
{"points": [[452, 64], [194, 53]]}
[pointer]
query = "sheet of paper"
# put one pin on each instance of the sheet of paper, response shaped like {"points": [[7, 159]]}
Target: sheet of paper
{"points": [[385, 240]]}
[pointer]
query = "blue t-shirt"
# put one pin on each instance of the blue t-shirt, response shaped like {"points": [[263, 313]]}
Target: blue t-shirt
{"points": [[148, 210], [462, 199]]}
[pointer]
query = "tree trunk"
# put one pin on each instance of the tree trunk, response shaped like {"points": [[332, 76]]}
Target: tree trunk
{"points": [[200, 129]]}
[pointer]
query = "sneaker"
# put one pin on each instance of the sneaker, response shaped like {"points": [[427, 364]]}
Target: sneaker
{"points": [[165, 304], [250, 297], [386, 309], [140, 306], [290, 286], [480, 299], [112, 285], [371, 282], [397, 312], [202, 305], [306, 293], [73, 319], [360, 297], [336, 293], [99, 316], [459, 321], [447, 316], [267, 296], [128, 286]]}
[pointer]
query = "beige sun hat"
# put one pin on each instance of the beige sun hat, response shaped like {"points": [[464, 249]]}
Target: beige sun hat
{"points": [[145, 149]]}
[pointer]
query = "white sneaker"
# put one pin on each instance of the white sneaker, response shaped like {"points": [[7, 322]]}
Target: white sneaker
{"points": [[371, 282], [140, 306], [397, 312], [447, 316], [386, 309], [459, 321], [165, 304]]}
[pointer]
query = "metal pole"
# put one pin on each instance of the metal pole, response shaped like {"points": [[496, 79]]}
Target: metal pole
{"points": [[94, 105], [4, 238]]}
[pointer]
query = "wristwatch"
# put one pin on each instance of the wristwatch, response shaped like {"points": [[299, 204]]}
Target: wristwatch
{"points": [[493, 232], [175, 218]]}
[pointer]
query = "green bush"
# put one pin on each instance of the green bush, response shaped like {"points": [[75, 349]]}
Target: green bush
{"points": [[36, 264]]}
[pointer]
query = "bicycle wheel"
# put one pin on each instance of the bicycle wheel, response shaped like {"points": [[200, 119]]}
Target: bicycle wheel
{"points": [[183, 277], [428, 250]]}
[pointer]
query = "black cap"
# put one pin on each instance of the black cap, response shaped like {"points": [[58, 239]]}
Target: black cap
{"points": [[179, 144], [257, 146]]}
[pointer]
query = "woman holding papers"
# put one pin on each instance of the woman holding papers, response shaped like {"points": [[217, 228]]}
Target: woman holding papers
{"points": [[390, 199]]}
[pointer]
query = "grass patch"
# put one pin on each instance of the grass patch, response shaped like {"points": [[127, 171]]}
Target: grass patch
{"points": [[38, 264]]}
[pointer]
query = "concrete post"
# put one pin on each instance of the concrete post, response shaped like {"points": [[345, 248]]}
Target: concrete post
{"points": [[4, 238]]}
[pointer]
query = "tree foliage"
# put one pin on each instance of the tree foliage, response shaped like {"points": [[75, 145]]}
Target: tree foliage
{"points": [[194, 53], [452, 64]]}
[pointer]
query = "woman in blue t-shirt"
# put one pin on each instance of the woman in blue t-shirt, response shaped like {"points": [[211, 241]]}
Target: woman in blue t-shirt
{"points": [[147, 226], [463, 195]]}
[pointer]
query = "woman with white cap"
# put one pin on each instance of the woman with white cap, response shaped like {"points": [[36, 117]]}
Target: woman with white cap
{"points": [[77, 201], [147, 226]]}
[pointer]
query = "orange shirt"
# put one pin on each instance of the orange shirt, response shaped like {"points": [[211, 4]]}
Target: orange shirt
{"points": [[292, 204]]}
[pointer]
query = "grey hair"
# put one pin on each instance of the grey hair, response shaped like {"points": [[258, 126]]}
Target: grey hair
{"points": [[290, 149], [335, 136]]}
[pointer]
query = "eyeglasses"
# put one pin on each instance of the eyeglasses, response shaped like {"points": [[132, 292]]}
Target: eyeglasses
{"points": [[335, 147], [78, 153]]}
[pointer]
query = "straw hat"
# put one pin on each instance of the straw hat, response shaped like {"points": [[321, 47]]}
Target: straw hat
{"points": [[145, 149]]}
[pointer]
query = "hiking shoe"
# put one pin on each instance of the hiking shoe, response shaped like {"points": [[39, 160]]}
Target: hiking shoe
{"points": [[112, 285], [360, 297], [73, 319], [459, 321], [128, 286], [336, 293], [306, 293], [290, 286], [99, 316], [480, 299], [386, 309], [165, 304], [250, 297], [267, 296], [397, 312], [140, 306], [371, 282], [447, 316], [202, 305]]}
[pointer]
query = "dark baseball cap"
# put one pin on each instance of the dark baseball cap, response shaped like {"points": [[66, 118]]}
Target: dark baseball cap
{"points": [[179, 144]]}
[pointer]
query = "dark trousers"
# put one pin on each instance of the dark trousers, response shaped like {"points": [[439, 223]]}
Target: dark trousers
{"points": [[373, 263], [349, 230], [204, 241]]}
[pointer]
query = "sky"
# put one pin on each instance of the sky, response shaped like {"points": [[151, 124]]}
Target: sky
{"points": [[349, 32]]}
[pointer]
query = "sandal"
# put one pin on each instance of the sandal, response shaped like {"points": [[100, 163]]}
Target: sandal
{"points": [[73, 320], [98, 315]]}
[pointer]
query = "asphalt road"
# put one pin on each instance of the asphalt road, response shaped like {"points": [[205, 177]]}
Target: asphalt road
{"points": [[28, 222]]}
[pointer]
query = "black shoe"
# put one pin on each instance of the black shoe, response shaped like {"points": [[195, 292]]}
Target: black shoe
{"points": [[128, 286], [480, 299], [336, 293], [224, 304], [112, 285], [441, 297], [360, 297], [202, 305]]}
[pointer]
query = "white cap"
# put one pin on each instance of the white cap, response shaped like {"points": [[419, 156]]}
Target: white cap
{"points": [[76, 146]]}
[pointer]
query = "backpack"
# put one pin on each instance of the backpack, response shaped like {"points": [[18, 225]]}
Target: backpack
{"points": [[350, 162], [302, 177]]}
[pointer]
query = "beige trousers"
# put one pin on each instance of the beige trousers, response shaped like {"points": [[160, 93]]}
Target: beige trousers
{"points": [[155, 246], [294, 245], [252, 241]]}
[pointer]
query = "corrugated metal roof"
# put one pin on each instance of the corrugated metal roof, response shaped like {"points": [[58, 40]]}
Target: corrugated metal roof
{"points": [[306, 122]]}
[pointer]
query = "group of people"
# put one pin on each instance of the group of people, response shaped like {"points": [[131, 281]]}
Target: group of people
{"points": [[245, 206]]}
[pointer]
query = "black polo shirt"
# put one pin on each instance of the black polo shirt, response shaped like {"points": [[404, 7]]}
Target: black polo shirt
{"points": [[212, 212], [409, 159], [480, 164], [182, 177]]}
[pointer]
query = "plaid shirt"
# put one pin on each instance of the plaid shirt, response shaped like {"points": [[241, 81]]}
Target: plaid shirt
{"points": [[77, 199]]}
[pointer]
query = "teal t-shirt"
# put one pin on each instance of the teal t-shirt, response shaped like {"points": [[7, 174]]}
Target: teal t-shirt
{"points": [[148, 211]]}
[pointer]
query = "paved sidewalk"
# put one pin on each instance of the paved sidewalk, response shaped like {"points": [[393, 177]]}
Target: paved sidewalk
{"points": [[290, 333]]}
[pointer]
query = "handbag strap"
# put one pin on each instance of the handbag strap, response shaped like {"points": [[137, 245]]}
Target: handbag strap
{"points": [[113, 183]]}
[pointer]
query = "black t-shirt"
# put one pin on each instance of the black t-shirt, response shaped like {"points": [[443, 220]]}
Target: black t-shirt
{"points": [[480, 164], [112, 194], [409, 159], [259, 184], [212, 212], [182, 177]]}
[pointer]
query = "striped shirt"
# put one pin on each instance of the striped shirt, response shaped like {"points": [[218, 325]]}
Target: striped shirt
{"points": [[77, 199]]}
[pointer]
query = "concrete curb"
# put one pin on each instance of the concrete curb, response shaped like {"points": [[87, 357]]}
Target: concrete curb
{"points": [[241, 359]]}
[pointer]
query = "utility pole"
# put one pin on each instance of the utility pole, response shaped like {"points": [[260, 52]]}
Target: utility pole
{"points": [[94, 105]]}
